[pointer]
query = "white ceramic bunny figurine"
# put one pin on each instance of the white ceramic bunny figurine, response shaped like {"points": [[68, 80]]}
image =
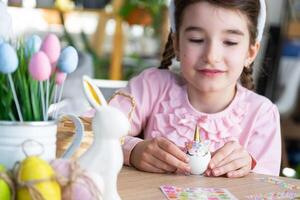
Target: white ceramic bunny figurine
{"points": [[105, 156]]}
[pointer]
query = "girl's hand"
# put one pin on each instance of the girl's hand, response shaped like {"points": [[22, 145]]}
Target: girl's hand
{"points": [[231, 160], [159, 155]]}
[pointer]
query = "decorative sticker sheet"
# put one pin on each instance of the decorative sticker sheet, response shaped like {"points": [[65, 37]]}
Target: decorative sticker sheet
{"points": [[198, 193], [282, 184], [273, 195]]}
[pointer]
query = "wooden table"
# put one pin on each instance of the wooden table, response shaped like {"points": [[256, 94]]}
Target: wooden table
{"points": [[136, 185]]}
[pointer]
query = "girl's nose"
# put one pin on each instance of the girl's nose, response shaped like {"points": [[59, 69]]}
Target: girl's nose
{"points": [[211, 53]]}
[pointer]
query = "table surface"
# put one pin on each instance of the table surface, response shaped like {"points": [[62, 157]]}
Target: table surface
{"points": [[137, 185]]}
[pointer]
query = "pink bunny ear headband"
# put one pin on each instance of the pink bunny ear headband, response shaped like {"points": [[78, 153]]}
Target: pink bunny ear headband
{"points": [[260, 23]]}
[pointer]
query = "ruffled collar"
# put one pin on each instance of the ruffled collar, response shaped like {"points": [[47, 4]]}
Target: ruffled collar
{"points": [[177, 119]]}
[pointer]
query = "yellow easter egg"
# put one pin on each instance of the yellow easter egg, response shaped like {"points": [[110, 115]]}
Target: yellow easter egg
{"points": [[36, 169], [5, 193]]}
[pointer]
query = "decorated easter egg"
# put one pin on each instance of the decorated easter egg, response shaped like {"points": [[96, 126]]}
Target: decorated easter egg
{"points": [[60, 77], [34, 169], [5, 193], [8, 59], [68, 60], [199, 157], [32, 45], [51, 47], [77, 183], [39, 66]]}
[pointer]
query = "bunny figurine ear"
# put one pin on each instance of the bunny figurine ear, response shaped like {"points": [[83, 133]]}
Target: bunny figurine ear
{"points": [[93, 93]]}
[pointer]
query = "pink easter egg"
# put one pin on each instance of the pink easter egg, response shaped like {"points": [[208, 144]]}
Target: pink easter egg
{"points": [[60, 77], [81, 186], [39, 66], [51, 47]]}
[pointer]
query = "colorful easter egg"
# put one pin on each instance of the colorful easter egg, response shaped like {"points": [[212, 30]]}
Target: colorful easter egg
{"points": [[51, 47], [60, 77], [78, 184], [198, 153], [68, 60], [199, 157], [39, 66], [32, 45], [8, 59], [5, 193], [35, 169]]}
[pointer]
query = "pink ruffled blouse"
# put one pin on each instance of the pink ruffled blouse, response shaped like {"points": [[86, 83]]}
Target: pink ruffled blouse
{"points": [[163, 109]]}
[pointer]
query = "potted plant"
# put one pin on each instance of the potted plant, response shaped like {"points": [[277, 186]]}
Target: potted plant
{"points": [[28, 78], [142, 12]]}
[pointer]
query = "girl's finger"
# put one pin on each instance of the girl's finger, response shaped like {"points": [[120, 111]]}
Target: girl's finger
{"points": [[150, 168], [238, 173], [222, 153], [233, 156], [208, 172], [158, 163], [234, 165], [170, 159], [172, 149]]}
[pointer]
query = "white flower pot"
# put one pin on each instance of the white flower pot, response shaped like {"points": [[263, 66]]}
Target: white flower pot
{"points": [[18, 140]]}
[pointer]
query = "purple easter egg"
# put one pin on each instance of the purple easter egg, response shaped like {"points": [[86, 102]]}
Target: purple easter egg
{"points": [[79, 189], [32, 45], [68, 60], [51, 47], [39, 66], [60, 77], [8, 59]]}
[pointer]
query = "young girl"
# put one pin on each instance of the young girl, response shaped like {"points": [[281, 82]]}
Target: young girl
{"points": [[216, 42]]}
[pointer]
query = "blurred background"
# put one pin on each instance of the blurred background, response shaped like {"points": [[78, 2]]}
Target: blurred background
{"points": [[117, 39]]}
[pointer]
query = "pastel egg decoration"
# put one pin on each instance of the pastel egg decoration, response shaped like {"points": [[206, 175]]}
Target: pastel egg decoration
{"points": [[8, 59], [32, 45], [40, 70], [198, 153], [8, 64], [39, 66], [60, 77], [51, 47], [68, 60], [67, 63], [76, 183], [5, 190], [36, 178]]}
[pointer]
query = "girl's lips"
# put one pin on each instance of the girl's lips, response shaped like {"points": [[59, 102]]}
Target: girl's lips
{"points": [[210, 72]]}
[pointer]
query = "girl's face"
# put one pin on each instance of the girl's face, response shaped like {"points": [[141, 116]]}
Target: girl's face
{"points": [[213, 47]]}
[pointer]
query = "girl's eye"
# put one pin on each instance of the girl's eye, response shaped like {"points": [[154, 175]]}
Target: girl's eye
{"points": [[229, 43], [196, 40]]}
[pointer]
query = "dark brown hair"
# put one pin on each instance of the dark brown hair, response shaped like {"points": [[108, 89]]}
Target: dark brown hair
{"points": [[250, 8]]}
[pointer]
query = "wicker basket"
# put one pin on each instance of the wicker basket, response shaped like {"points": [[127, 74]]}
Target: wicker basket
{"points": [[66, 130]]}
